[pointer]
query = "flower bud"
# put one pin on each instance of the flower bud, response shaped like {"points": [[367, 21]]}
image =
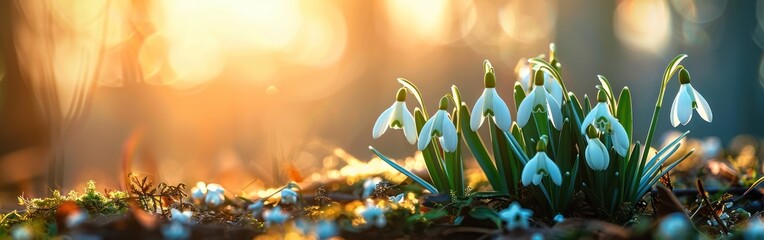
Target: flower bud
{"points": [[401, 96]]}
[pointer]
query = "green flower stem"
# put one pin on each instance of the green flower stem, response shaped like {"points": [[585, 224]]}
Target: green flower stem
{"points": [[667, 74]]}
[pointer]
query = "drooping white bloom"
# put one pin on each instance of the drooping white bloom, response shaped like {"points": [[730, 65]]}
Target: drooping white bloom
{"points": [[539, 101], [539, 166], [288, 196], [181, 217], [597, 156], [275, 216], [256, 208], [516, 216], [373, 215], [396, 116], [489, 104], [686, 100], [604, 121], [215, 195], [440, 126]]}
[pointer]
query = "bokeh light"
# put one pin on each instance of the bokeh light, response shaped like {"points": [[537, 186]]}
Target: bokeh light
{"points": [[643, 24]]}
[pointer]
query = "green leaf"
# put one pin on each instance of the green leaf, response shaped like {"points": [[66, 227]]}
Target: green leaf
{"points": [[457, 102], [609, 91], [502, 157], [624, 113], [517, 132], [587, 104], [405, 171], [519, 94], [417, 94], [486, 213], [476, 146]]}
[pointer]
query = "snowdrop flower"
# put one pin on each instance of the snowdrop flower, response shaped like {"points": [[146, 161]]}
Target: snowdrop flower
{"points": [[396, 116], [674, 226], [398, 198], [440, 126], [326, 229], [539, 101], [490, 104], [215, 195], [199, 191], [369, 185], [754, 230], [553, 87], [373, 215], [256, 208], [540, 166], [597, 156], [288, 196], [686, 100], [604, 121], [275, 215], [181, 217], [516, 216]]}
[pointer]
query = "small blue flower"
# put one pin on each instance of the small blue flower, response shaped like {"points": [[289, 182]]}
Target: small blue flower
{"points": [[516, 216], [369, 185], [326, 229], [288, 196], [176, 231], [256, 208], [373, 215], [181, 217], [559, 218], [754, 230], [674, 226], [215, 195], [398, 198], [275, 216]]}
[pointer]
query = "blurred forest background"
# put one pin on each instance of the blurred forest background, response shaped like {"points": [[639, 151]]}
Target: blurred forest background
{"points": [[178, 88]]}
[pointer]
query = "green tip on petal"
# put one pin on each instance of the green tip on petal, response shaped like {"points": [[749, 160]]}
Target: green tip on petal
{"points": [[601, 95], [684, 76], [591, 131], [490, 80], [541, 145], [539, 78], [401, 96], [443, 103]]}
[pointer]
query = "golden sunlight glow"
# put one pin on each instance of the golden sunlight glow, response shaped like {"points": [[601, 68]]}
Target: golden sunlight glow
{"points": [[414, 22], [528, 21], [644, 25]]}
